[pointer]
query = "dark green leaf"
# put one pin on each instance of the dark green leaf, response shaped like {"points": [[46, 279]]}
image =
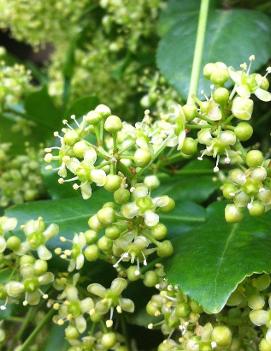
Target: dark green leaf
{"points": [[41, 109], [213, 258], [83, 105], [194, 182], [231, 36], [56, 339]]}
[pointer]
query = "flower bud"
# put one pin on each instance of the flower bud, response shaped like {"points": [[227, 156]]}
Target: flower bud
{"points": [[259, 317], [243, 131], [106, 216], [227, 137], [104, 243], [121, 196], [91, 236], [108, 340], [159, 232], [242, 108], [94, 223], [254, 158], [152, 182], [222, 336], [14, 289], [256, 208], [256, 302], [71, 333], [221, 95], [190, 146], [150, 279], [112, 182], [142, 157], [133, 273], [71, 137], [113, 124], [165, 249], [91, 253], [233, 214], [103, 110], [93, 117], [265, 345], [40, 267], [190, 112]]}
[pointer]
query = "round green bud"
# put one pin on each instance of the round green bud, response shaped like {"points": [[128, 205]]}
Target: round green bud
{"points": [[259, 317], [112, 232], [254, 158], [190, 112], [219, 73], [13, 243], [208, 69], [233, 214], [229, 190], [103, 110], [222, 336], [112, 182], [113, 124], [242, 108], [256, 208], [169, 206], [182, 310], [71, 137], [165, 249], [91, 253], [190, 146], [105, 244], [108, 340], [71, 333], [94, 223], [159, 231], [133, 273], [256, 302], [152, 181], [91, 236], [262, 282], [80, 148], [243, 131], [40, 267], [27, 259], [151, 278], [142, 157], [144, 203], [122, 196], [93, 117], [265, 345], [221, 95], [106, 215]]}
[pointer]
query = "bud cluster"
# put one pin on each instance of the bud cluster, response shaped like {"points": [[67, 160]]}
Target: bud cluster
{"points": [[20, 179], [29, 273]]}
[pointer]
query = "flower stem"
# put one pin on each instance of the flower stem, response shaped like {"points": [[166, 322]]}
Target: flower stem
{"points": [[36, 331], [198, 52]]}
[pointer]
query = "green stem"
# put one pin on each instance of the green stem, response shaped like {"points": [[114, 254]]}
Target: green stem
{"points": [[36, 331], [198, 52]]}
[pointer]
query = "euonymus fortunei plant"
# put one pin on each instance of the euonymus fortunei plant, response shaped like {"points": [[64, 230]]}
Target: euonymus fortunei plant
{"points": [[117, 240]]}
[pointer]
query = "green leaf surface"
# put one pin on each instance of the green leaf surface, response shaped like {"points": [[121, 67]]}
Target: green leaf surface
{"points": [[194, 182], [83, 105], [56, 340], [231, 37], [41, 109], [212, 259]]}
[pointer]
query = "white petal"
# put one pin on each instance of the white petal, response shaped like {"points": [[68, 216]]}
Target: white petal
{"points": [[73, 164], [80, 261], [3, 244], [263, 95], [98, 176], [90, 156], [151, 218], [81, 324], [9, 224], [86, 191], [44, 253]]}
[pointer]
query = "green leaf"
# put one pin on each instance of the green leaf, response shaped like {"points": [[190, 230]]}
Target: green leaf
{"points": [[194, 182], [83, 105], [56, 339], [212, 259], [231, 37], [41, 109]]}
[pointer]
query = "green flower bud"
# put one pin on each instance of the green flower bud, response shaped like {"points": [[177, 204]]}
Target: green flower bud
{"points": [[222, 336], [14, 289], [190, 146], [142, 157], [113, 124], [91, 253], [208, 69], [106, 215], [112, 182], [108, 340], [133, 273], [262, 282], [265, 196], [80, 148], [233, 214], [93, 117], [259, 174], [256, 208], [159, 232], [265, 345], [259, 317], [91, 236], [182, 310], [221, 95], [152, 181], [169, 206], [165, 249], [151, 278], [243, 131], [242, 108], [256, 302], [40, 267], [190, 112], [122, 196], [254, 158], [229, 190], [105, 244], [94, 223], [103, 110], [71, 333], [113, 232], [71, 137], [219, 73], [13, 243]]}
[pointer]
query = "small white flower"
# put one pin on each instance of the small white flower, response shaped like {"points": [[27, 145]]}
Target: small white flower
{"points": [[98, 176], [151, 218]]}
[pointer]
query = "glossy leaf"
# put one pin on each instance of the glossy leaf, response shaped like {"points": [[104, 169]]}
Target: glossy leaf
{"points": [[231, 36], [194, 182], [212, 259], [56, 339]]}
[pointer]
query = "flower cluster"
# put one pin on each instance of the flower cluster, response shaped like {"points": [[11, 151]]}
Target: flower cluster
{"points": [[27, 273], [20, 179], [15, 83]]}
